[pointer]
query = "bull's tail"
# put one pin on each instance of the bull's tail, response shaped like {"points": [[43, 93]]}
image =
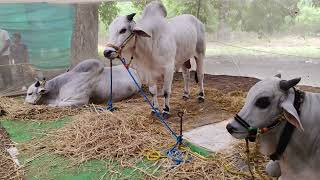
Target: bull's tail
{"points": [[196, 77]]}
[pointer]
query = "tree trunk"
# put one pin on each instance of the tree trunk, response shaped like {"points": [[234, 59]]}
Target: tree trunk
{"points": [[85, 34], [223, 30], [198, 10]]}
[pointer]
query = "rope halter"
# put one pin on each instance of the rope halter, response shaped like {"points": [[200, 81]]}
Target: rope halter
{"points": [[123, 44], [253, 131]]}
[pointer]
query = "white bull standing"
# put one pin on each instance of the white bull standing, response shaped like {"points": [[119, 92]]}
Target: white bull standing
{"points": [[159, 46], [265, 102], [88, 82]]}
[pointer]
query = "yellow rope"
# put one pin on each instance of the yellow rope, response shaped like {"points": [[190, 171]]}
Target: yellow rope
{"points": [[154, 155]]}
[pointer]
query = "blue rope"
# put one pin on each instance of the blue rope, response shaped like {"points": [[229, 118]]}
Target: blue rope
{"points": [[178, 138], [110, 106], [177, 156]]}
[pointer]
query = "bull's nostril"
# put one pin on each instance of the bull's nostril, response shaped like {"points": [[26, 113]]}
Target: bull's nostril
{"points": [[230, 128], [107, 53]]}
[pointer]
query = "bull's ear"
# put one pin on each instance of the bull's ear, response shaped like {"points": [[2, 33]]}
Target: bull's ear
{"points": [[290, 112], [140, 32], [130, 16]]}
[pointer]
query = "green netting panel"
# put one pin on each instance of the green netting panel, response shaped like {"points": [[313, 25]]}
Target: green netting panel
{"points": [[45, 28]]}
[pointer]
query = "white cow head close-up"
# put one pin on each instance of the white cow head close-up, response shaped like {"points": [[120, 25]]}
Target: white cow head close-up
{"points": [[35, 92], [121, 32], [265, 101]]}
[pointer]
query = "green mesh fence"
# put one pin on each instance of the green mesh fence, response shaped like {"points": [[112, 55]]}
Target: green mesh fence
{"points": [[45, 28]]}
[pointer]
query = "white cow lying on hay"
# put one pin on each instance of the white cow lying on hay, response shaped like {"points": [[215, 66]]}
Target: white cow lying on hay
{"points": [[266, 101], [88, 82], [159, 46]]}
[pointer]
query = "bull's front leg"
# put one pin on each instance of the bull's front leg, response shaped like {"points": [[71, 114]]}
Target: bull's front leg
{"points": [[168, 77], [154, 93]]}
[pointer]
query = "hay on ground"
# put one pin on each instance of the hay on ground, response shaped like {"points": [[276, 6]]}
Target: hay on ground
{"points": [[15, 109], [123, 135], [9, 170]]}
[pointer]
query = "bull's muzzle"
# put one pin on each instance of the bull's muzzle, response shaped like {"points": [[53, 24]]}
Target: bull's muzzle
{"points": [[108, 53], [230, 128]]}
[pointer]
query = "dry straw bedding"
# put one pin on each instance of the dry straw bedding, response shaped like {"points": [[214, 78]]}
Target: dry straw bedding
{"points": [[16, 110], [123, 135], [8, 169]]}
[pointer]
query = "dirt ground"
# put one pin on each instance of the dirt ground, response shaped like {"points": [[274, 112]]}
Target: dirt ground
{"points": [[223, 94]]}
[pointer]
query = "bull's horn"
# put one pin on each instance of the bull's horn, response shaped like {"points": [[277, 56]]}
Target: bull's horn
{"points": [[37, 84], [286, 85], [278, 75], [130, 16]]}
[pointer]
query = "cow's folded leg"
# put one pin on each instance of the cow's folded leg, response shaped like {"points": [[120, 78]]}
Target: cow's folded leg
{"points": [[73, 102], [186, 77], [153, 92], [52, 105], [200, 74]]}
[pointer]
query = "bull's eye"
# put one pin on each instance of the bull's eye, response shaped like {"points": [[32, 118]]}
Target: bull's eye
{"points": [[263, 102], [122, 31], [29, 94]]}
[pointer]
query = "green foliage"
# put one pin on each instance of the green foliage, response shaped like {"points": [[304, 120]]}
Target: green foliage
{"points": [[264, 17], [126, 8], [108, 10], [140, 4], [267, 16], [203, 9], [308, 19]]}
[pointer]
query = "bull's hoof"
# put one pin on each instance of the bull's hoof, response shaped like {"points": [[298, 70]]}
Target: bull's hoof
{"points": [[166, 112], [200, 97], [154, 113], [165, 115], [185, 97]]}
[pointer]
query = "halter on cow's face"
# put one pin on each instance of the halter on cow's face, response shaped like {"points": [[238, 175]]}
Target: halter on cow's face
{"points": [[264, 103], [120, 33], [35, 92]]}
